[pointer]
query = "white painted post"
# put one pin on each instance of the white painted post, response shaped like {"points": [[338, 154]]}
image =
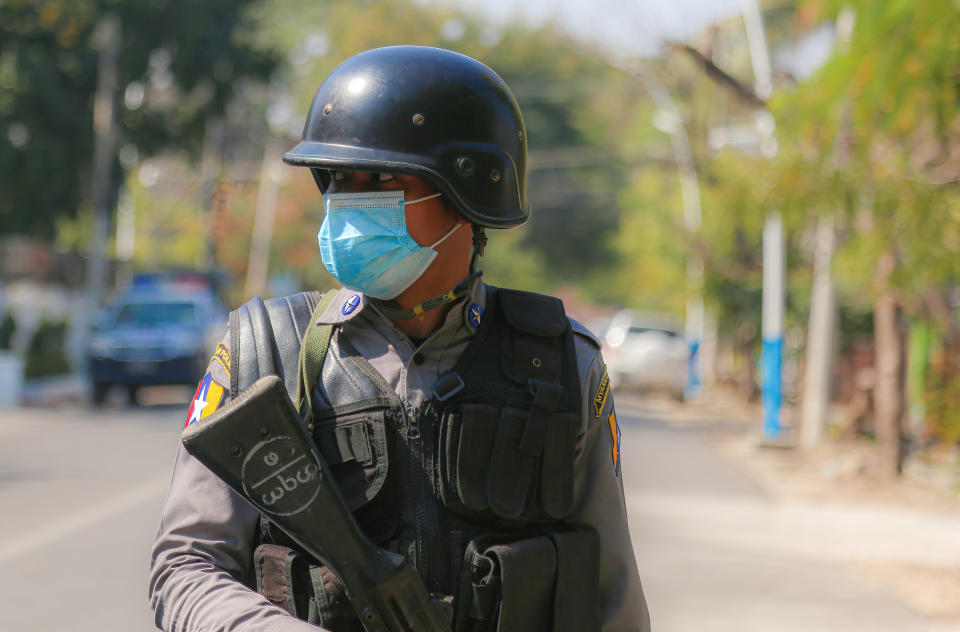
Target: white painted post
{"points": [[774, 260]]}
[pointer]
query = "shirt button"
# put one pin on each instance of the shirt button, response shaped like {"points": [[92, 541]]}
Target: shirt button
{"points": [[418, 358]]}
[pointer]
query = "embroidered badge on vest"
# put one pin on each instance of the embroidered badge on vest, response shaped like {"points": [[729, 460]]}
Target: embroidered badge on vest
{"points": [[350, 305], [600, 398], [222, 355], [206, 400], [615, 436], [474, 312]]}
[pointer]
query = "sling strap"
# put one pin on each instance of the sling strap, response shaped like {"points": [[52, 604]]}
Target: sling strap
{"points": [[316, 340]]}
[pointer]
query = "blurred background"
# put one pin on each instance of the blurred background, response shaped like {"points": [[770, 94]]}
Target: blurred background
{"points": [[753, 203]]}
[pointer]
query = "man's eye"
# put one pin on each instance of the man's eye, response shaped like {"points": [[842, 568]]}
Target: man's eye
{"points": [[339, 176], [384, 177]]}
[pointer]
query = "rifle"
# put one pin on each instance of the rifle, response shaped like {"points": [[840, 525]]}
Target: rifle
{"points": [[258, 445]]}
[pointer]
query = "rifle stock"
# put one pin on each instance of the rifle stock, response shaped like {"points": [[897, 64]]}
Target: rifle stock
{"points": [[258, 445]]}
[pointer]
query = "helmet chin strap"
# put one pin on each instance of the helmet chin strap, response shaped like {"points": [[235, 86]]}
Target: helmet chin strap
{"points": [[459, 291], [479, 245]]}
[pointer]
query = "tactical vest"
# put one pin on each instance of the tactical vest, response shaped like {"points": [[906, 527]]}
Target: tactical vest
{"points": [[487, 461]]}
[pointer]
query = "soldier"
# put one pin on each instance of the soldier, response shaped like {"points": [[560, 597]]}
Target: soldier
{"points": [[470, 428]]}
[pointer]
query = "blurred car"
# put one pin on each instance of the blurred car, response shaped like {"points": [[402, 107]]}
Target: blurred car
{"points": [[155, 334], [646, 352]]}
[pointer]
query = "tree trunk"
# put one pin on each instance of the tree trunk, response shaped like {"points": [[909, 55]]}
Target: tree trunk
{"points": [[819, 358], [889, 363]]}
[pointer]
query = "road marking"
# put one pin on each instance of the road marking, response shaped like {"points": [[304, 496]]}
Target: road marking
{"points": [[149, 490]]}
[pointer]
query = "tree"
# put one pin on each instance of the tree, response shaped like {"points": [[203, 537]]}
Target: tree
{"points": [[179, 64], [890, 95]]}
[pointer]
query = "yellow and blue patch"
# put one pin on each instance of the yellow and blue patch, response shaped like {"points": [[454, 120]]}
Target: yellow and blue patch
{"points": [[615, 436], [205, 401], [600, 397], [222, 355]]}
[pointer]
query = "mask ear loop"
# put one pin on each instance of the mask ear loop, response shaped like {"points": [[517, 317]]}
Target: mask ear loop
{"points": [[423, 199], [444, 238]]}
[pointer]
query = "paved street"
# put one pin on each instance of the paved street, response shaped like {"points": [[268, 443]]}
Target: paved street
{"points": [[81, 494], [717, 555]]}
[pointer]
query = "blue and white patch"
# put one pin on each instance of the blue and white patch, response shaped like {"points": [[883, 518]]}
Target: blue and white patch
{"points": [[474, 312], [350, 305]]}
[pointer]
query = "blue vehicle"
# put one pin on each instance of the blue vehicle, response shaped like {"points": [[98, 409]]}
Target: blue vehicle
{"points": [[154, 334]]}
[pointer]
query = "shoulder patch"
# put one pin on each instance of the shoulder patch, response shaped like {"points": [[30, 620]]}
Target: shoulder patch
{"points": [[206, 400], [615, 437], [586, 333], [600, 397], [222, 355]]}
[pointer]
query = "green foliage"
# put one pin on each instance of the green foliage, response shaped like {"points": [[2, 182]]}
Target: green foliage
{"points": [[652, 246], [870, 138], [854, 326], [508, 262], [45, 354], [942, 395], [179, 63]]}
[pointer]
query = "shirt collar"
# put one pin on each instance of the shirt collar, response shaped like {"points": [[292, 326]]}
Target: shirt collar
{"points": [[347, 304], [473, 305]]}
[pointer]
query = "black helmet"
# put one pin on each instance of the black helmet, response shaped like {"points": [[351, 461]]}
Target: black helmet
{"points": [[426, 112]]}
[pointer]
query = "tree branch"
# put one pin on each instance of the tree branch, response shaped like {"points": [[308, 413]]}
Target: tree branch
{"points": [[716, 73]]}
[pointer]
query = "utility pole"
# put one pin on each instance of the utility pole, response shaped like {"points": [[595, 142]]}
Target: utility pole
{"points": [[774, 258], [258, 264], [823, 299], [772, 326], [126, 234], [107, 39], [668, 119], [211, 168]]}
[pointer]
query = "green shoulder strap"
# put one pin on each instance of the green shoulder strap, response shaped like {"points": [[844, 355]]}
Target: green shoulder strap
{"points": [[313, 350]]}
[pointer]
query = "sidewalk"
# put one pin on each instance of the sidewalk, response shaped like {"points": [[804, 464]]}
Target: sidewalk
{"points": [[829, 506]]}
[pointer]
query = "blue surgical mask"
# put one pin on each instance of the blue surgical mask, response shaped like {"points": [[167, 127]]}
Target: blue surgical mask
{"points": [[365, 245]]}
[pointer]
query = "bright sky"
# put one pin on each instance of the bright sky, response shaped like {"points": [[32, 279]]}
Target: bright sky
{"points": [[625, 27]]}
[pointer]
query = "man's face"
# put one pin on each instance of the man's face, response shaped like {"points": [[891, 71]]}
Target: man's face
{"points": [[427, 221]]}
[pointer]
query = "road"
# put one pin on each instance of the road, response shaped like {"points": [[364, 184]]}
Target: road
{"points": [[716, 554], [82, 492]]}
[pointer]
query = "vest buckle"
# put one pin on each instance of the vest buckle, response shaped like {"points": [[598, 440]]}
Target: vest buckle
{"points": [[447, 386]]}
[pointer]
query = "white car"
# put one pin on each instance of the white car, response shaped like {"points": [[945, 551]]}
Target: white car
{"points": [[646, 352]]}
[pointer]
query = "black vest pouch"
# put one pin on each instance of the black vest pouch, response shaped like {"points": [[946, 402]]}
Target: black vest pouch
{"points": [[282, 576], [556, 465], [331, 608], [509, 462], [356, 449], [541, 582], [466, 439], [511, 470]]}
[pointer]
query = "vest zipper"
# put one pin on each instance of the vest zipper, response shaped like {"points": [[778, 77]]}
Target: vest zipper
{"points": [[417, 482]]}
